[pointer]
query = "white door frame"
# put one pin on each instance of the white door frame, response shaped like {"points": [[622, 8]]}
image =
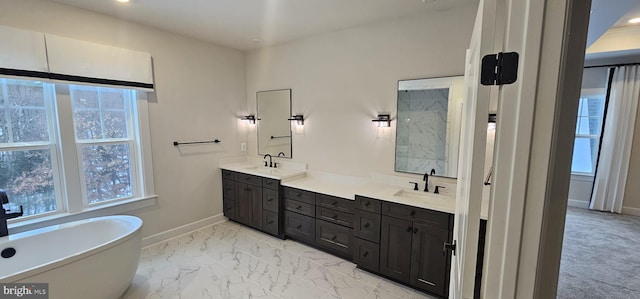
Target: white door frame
{"points": [[533, 147]]}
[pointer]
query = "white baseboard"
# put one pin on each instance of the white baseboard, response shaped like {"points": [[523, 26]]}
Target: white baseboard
{"points": [[578, 203], [631, 211], [181, 230]]}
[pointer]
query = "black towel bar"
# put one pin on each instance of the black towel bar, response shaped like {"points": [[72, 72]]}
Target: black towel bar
{"points": [[175, 143]]}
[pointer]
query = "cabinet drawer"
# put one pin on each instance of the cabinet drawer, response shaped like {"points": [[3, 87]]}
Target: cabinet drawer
{"points": [[227, 174], [333, 237], [270, 223], [249, 179], [270, 183], [299, 226], [367, 226], [228, 189], [229, 209], [335, 203], [270, 200], [367, 204], [300, 207], [435, 218], [300, 195], [334, 216], [366, 254]]}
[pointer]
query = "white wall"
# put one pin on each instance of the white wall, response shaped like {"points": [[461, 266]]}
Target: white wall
{"points": [[200, 89], [340, 81]]}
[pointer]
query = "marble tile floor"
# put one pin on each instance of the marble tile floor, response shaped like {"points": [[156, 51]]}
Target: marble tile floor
{"points": [[228, 260]]}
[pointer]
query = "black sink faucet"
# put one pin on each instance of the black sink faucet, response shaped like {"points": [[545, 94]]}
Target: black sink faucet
{"points": [[4, 216], [425, 178], [433, 171], [281, 153], [270, 161]]}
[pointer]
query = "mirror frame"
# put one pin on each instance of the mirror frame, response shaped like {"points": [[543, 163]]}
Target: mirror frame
{"points": [[258, 117], [458, 125]]}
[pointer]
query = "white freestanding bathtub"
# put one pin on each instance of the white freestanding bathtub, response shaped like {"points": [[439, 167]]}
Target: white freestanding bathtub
{"points": [[94, 258]]}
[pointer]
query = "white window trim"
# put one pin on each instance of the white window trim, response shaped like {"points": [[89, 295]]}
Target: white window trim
{"points": [[70, 210]]}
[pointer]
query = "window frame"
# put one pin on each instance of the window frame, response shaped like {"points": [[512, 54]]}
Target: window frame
{"points": [[71, 199], [52, 145], [130, 97]]}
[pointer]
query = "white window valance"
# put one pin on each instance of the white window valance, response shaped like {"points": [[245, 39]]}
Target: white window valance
{"points": [[33, 54]]}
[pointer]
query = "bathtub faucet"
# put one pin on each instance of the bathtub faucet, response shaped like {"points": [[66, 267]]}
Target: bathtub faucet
{"points": [[4, 216]]}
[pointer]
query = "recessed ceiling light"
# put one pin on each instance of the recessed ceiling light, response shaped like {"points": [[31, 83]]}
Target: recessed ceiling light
{"points": [[123, 1], [634, 21]]}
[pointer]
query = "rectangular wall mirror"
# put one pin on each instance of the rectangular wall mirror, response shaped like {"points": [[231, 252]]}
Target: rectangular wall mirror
{"points": [[428, 127], [274, 128]]}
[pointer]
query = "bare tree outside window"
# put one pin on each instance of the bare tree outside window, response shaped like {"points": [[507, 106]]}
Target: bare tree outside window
{"points": [[102, 126], [26, 170]]}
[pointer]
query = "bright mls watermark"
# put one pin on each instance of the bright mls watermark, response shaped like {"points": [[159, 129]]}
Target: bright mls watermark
{"points": [[24, 290]]}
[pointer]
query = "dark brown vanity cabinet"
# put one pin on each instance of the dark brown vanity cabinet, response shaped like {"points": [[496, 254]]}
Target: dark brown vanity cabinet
{"points": [[366, 232], [253, 201], [299, 214], [334, 224], [229, 198], [403, 243], [411, 246], [320, 220]]}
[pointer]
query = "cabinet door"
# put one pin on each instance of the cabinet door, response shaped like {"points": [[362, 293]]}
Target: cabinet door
{"points": [[366, 254], [228, 190], [429, 262], [249, 205], [395, 248], [270, 223], [229, 208], [243, 203], [255, 193], [270, 200], [300, 226]]}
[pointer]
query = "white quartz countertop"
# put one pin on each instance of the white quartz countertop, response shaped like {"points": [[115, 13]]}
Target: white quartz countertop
{"points": [[348, 187], [282, 174]]}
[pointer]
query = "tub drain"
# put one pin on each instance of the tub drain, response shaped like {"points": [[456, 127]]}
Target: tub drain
{"points": [[8, 252]]}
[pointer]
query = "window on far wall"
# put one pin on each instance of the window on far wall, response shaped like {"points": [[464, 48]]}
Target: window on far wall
{"points": [[59, 139], [589, 123], [588, 130]]}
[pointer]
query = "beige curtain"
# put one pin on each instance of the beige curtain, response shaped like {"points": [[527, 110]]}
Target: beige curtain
{"points": [[613, 164]]}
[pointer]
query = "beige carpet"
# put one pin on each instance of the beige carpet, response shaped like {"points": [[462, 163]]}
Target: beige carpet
{"points": [[600, 256]]}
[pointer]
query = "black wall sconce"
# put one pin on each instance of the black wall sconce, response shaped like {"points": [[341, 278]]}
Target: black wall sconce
{"points": [[383, 120], [298, 118], [251, 119]]}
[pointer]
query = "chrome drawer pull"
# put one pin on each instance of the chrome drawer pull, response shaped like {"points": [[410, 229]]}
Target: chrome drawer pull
{"points": [[427, 282]]}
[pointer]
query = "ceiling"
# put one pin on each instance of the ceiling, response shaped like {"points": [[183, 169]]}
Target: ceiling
{"points": [[250, 24], [633, 12]]}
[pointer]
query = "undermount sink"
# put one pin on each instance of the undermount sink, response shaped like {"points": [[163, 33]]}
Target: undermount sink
{"points": [[417, 195], [263, 169], [278, 172]]}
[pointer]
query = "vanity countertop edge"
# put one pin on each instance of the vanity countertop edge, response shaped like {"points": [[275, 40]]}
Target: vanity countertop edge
{"points": [[348, 189]]}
